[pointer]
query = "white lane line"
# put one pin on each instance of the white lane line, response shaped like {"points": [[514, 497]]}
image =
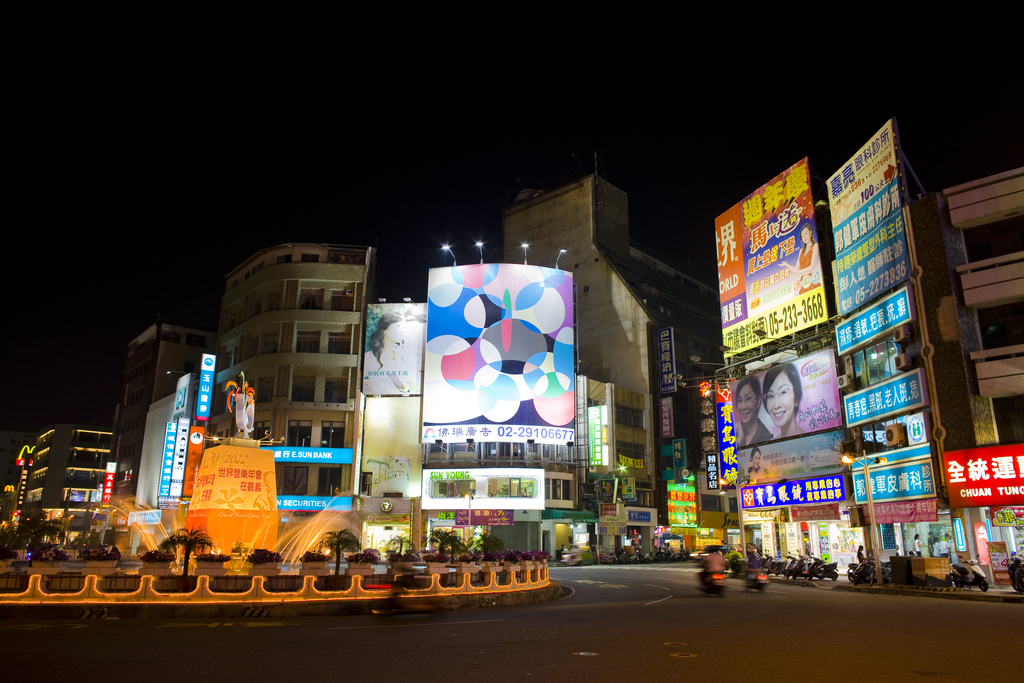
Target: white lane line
{"points": [[447, 623], [657, 601], [780, 592], [653, 586]]}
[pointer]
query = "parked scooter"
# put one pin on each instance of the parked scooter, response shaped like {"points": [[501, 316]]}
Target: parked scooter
{"points": [[963, 576], [1016, 571]]}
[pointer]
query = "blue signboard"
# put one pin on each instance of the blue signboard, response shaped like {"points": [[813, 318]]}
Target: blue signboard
{"points": [[341, 456], [638, 516], [900, 393], [958, 532], [168, 462], [875, 322], [144, 517], [871, 249], [797, 492], [204, 397], [667, 360], [726, 441], [315, 503], [903, 480]]}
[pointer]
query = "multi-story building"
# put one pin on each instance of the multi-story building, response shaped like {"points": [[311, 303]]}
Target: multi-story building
{"points": [[156, 360], [291, 320], [67, 475], [625, 294]]}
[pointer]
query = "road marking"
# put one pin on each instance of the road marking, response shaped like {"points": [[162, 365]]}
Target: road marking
{"points": [[779, 592], [657, 601], [433, 624], [248, 624], [653, 586]]}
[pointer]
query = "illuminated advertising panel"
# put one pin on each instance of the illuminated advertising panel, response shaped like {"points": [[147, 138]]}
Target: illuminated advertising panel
{"points": [[667, 423], [682, 505], [204, 396], [180, 456], [980, 477], [867, 222], [392, 453], [597, 423], [500, 358], [904, 479], [327, 456], [726, 435], [875, 322], [181, 397], [196, 442], [167, 467], [902, 392], [144, 517], [769, 268], [713, 481], [791, 399], [667, 359], [773, 460], [504, 488], [315, 503], [108, 481], [393, 349], [798, 492]]}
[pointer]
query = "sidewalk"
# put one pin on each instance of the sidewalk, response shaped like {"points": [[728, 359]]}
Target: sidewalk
{"points": [[998, 593]]}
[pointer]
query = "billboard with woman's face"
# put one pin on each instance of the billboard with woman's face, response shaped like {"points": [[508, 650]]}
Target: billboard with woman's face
{"points": [[787, 400], [393, 354], [500, 355]]}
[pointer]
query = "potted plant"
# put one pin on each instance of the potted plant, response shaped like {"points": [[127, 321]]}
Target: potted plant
{"points": [[401, 561], [491, 562], [526, 560], [156, 563], [314, 563], [512, 559], [360, 564], [6, 556], [212, 564], [100, 561], [436, 562], [339, 540], [46, 559], [264, 562], [189, 541], [466, 563]]}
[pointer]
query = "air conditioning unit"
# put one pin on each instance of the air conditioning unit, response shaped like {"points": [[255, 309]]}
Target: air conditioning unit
{"points": [[903, 333], [846, 382], [895, 435], [901, 361]]}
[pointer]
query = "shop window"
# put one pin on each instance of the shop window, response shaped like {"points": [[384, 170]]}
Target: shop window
{"points": [[450, 489], [510, 487], [332, 434], [295, 480], [300, 432], [336, 390], [307, 342]]}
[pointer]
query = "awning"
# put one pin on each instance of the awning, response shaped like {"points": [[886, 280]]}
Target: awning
{"points": [[569, 515]]}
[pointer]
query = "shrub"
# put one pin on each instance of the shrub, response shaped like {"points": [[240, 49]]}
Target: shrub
{"points": [[49, 553], [469, 557], [492, 557], [212, 557], [395, 556], [314, 556], [736, 562], [157, 557], [364, 557], [100, 555], [263, 556], [6, 553], [436, 557]]}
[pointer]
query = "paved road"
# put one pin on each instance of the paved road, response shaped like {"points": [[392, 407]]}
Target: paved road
{"points": [[647, 623]]}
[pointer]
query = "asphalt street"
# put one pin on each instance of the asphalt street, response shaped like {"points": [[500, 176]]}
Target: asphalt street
{"points": [[645, 623]]}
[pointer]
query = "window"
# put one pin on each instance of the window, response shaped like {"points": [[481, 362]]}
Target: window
{"points": [[311, 299], [630, 449], [260, 430], [629, 416], [307, 342], [172, 337], [311, 258], [265, 390], [274, 301], [332, 434], [711, 503], [875, 363], [284, 258], [557, 489], [300, 432], [339, 342], [329, 480], [343, 300], [302, 389], [269, 343], [195, 340], [450, 488], [510, 487], [336, 390], [295, 479]]}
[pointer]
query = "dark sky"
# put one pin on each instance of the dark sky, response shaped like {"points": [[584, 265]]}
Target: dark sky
{"points": [[133, 203]]}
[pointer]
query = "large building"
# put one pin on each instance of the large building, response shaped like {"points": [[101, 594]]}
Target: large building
{"points": [[625, 295], [156, 361], [67, 476], [291, 320]]}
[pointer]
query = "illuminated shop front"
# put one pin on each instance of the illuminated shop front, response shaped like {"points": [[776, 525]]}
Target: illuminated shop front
{"points": [[384, 519]]}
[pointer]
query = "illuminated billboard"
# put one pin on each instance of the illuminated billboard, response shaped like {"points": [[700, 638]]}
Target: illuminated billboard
{"points": [[790, 399], [769, 268], [393, 349], [493, 488], [499, 362], [392, 454]]}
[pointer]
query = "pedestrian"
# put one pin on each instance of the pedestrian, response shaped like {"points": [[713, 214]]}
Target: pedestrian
{"points": [[944, 547], [860, 554], [917, 544]]}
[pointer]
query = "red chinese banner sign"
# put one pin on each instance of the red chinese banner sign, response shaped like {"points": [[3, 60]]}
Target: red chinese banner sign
{"points": [[925, 510], [980, 477], [815, 513]]}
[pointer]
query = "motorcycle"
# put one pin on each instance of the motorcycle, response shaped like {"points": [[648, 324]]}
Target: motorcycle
{"points": [[713, 583], [1016, 570], [756, 579], [823, 571], [966, 576]]}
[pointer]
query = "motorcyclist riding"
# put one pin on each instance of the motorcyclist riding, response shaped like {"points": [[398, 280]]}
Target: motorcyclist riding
{"points": [[714, 563]]}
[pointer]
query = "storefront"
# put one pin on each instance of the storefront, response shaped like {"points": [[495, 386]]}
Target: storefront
{"points": [[385, 519], [986, 499]]}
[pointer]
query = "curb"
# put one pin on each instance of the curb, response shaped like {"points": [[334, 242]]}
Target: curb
{"points": [[929, 592]]}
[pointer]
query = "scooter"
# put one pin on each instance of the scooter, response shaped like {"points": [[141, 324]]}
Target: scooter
{"points": [[713, 583], [1016, 571], [966, 576], [756, 579]]}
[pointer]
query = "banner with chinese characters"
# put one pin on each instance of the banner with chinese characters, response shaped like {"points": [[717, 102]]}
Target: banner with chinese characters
{"points": [[901, 480], [682, 505], [726, 435], [997, 556], [867, 222], [898, 394], [667, 359], [667, 427], [712, 482], [485, 517], [769, 267], [816, 513], [875, 322], [597, 424], [798, 492], [924, 510], [631, 462], [170, 432], [679, 460], [1008, 516], [980, 477]]}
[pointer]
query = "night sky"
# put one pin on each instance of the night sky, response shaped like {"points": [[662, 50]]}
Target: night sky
{"points": [[134, 203]]}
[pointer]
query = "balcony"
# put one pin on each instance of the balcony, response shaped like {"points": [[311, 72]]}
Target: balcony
{"points": [[1000, 371], [993, 282]]}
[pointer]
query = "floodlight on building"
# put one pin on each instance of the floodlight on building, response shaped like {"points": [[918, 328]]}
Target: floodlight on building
{"points": [[449, 250], [525, 247], [480, 246], [560, 252]]}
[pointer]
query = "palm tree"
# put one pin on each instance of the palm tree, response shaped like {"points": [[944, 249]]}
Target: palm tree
{"points": [[33, 531], [400, 544], [189, 541], [339, 540], [446, 541], [488, 543]]}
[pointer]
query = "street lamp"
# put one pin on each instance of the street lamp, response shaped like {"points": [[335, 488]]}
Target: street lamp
{"points": [[560, 252], [449, 250], [525, 247], [876, 545], [480, 246]]}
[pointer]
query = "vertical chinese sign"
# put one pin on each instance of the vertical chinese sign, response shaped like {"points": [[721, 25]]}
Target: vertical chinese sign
{"points": [[667, 426], [726, 437], [597, 419], [667, 359]]}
